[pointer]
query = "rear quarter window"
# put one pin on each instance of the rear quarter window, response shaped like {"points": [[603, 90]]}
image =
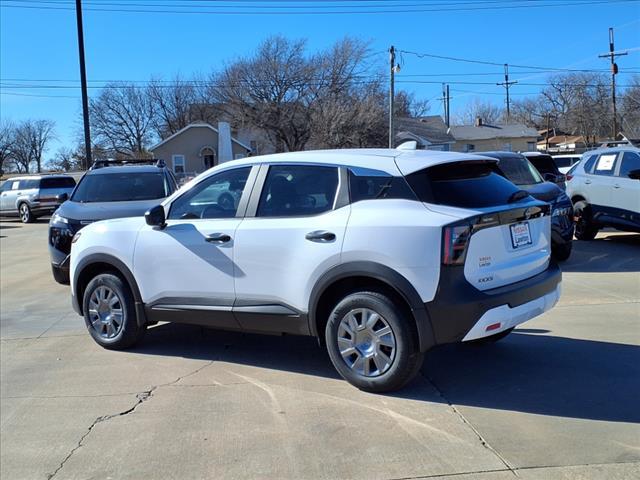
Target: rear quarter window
{"points": [[57, 182], [462, 184]]}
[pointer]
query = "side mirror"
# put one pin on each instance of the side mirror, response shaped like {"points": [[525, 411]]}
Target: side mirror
{"points": [[155, 217], [62, 197], [634, 174], [550, 177]]}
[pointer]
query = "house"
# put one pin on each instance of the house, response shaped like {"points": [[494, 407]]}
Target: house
{"points": [[482, 137], [563, 144], [429, 132], [198, 147]]}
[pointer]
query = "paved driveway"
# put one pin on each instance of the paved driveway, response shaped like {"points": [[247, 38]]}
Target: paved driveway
{"points": [[559, 398]]}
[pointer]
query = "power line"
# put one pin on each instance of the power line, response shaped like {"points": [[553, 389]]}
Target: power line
{"points": [[356, 9]]}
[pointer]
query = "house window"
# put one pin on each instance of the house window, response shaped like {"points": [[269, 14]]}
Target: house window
{"points": [[469, 147], [507, 147], [531, 146], [178, 163]]}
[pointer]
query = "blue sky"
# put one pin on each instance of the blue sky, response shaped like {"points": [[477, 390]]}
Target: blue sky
{"points": [[39, 44]]}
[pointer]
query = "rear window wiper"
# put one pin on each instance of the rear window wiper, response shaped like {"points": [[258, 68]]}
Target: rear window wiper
{"points": [[517, 196]]}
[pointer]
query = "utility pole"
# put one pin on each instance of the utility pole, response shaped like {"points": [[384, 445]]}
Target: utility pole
{"points": [[546, 147], [83, 83], [445, 103], [392, 94], [448, 108], [506, 84], [614, 71]]}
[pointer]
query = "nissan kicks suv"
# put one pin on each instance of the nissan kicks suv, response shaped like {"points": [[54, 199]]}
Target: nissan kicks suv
{"points": [[380, 254], [605, 190]]}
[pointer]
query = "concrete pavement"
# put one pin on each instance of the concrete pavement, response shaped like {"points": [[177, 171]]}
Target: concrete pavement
{"points": [[556, 399]]}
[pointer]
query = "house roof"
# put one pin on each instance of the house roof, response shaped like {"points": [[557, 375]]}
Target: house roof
{"points": [[195, 125], [487, 132], [425, 130], [560, 139]]}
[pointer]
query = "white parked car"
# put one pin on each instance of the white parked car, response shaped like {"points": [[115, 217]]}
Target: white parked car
{"points": [[381, 254], [565, 162], [605, 190]]}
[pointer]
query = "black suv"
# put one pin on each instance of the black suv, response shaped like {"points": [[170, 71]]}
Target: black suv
{"points": [[113, 189], [517, 168], [546, 165]]}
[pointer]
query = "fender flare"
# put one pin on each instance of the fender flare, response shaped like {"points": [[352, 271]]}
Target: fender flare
{"points": [[122, 268], [388, 276]]}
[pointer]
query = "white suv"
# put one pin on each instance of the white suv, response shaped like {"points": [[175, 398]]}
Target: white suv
{"points": [[605, 190], [381, 254]]}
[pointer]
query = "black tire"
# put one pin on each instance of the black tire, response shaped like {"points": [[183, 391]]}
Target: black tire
{"points": [[128, 332], [492, 339], [25, 213], [406, 358], [561, 251], [585, 228]]}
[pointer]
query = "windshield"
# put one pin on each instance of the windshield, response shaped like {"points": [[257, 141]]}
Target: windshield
{"points": [[120, 187], [520, 171]]}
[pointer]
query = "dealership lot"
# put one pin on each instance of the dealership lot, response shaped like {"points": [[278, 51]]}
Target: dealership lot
{"points": [[556, 399]]}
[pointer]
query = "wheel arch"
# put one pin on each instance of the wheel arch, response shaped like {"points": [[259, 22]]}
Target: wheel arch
{"points": [[353, 276], [98, 263]]}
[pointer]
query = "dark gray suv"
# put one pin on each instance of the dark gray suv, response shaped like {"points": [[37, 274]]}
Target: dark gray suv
{"points": [[108, 190]]}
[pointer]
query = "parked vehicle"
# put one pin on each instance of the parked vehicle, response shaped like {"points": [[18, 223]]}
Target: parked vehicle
{"points": [[547, 167], [381, 254], [565, 162], [521, 172], [33, 196], [108, 190], [605, 190]]}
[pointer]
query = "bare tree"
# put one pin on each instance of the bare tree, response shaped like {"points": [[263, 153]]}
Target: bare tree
{"points": [[407, 105], [30, 141], [271, 90], [65, 160], [122, 119], [477, 108], [630, 109], [7, 138], [173, 103]]}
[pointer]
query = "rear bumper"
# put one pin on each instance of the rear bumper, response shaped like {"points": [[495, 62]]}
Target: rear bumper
{"points": [[459, 310]]}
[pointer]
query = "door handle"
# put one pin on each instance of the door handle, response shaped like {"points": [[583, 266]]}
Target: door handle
{"points": [[615, 185], [320, 236], [587, 182], [218, 238]]}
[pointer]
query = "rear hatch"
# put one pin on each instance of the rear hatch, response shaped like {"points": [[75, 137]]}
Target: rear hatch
{"points": [[498, 233], [51, 187]]}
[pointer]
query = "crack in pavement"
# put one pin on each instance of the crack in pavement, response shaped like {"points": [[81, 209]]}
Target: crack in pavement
{"points": [[141, 397], [464, 420]]}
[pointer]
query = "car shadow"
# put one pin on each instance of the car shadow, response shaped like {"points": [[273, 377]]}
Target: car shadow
{"points": [[526, 372], [607, 253]]}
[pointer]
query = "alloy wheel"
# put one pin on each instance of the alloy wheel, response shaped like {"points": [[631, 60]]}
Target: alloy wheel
{"points": [[105, 312], [366, 342]]}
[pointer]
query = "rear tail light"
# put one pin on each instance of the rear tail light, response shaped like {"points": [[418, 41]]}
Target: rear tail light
{"points": [[455, 242], [569, 176]]}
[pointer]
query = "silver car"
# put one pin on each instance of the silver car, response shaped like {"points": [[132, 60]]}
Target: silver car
{"points": [[30, 197]]}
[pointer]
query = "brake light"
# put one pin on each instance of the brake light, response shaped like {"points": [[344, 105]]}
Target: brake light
{"points": [[569, 176], [455, 242]]}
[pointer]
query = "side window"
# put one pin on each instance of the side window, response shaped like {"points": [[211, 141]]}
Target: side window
{"points": [[630, 161], [606, 164], [588, 164], [298, 190], [4, 186], [372, 185], [216, 197]]}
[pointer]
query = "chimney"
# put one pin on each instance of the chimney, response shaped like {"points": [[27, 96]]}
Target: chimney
{"points": [[225, 153], [478, 121]]}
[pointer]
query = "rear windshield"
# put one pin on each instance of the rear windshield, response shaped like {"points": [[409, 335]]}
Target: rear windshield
{"points": [[120, 187], [57, 182], [544, 164], [564, 161], [519, 171], [463, 184]]}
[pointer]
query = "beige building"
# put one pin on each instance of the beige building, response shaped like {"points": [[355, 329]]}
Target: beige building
{"points": [[484, 138], [198, 147]]}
